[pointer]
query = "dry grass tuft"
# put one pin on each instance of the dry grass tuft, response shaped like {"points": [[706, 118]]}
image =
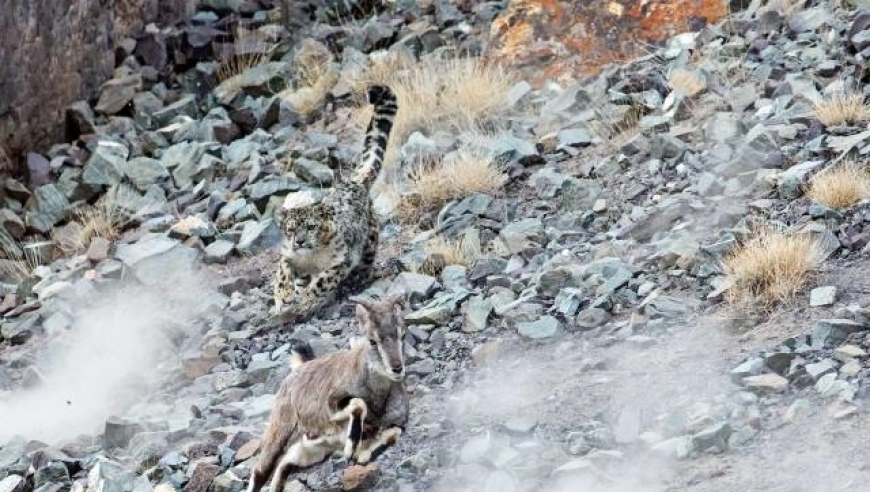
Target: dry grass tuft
{"points": [[771, 268], [18, 266], [686, 82], [840, 186], [249, 49], [435, 184], [441, 252], [316, 73], [308, 99], [455, 95], [841, 108], [105, 220]]}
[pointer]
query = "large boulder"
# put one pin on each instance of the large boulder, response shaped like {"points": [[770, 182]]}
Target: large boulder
{"points": [[62, 52], [558, 37]]}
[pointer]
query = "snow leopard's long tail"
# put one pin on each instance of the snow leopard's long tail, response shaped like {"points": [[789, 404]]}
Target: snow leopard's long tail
{"points": [[378, 133]]}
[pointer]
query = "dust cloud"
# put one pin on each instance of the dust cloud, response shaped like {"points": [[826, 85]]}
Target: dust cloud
{"points": [[119, 342]]}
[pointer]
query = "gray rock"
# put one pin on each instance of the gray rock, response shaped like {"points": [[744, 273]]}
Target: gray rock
{"points": [[146, 448], [105, 166], [617, 279], [518, 236], [545, 328], [823, 296], [824, 237], [38, 170], [117, 93], [453, 277], [144, 172], [422, 367], [192, 226], [779, 362], [262, 80], [486, 267], [156, 258], [219, 251], [258, 371], [548, 182], [818, 369], [197, 365], [118, 432], [418, 146], [415, 286], [145, 104], [82, 117], [182, 160], [228, 482], [518, 92], [231, 379], [275, 185], [568, 301], [13, 483], [575, 137], [185, 106], [313, 171], [772, 383], [12, 451], [662, 306], [506, 146], [791, 181], [51, 202], [477, 311], [832, 332], [591, 318], [201, 477], [723, 127], [581, 194], [714, 436], [259, 236], [19, 330], [847, 353], [439, 311], [665, 146]]}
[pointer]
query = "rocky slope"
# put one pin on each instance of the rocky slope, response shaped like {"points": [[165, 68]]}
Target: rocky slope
{"points": [[586, 347], [61, 52]]}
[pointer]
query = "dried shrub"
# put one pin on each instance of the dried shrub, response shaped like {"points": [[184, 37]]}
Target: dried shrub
{"points": [[455, 95], [770, 268], [441, 251], [841, 108], [840, 186], [432, 185], [105, 219], [249, 49]]}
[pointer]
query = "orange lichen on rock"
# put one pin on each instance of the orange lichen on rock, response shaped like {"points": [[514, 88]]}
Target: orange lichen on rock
{"points": [[526, 23], [663, 19], [561, 38]]}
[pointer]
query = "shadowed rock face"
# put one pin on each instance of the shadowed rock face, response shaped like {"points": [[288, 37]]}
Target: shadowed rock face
{"points": [[578, 38], [54, 52]]}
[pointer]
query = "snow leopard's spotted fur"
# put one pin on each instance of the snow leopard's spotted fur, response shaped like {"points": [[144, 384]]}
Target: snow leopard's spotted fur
{"points": [[332, 244]]}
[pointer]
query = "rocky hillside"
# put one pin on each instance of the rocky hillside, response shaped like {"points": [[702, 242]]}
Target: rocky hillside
{"points": [[646, 279]]}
